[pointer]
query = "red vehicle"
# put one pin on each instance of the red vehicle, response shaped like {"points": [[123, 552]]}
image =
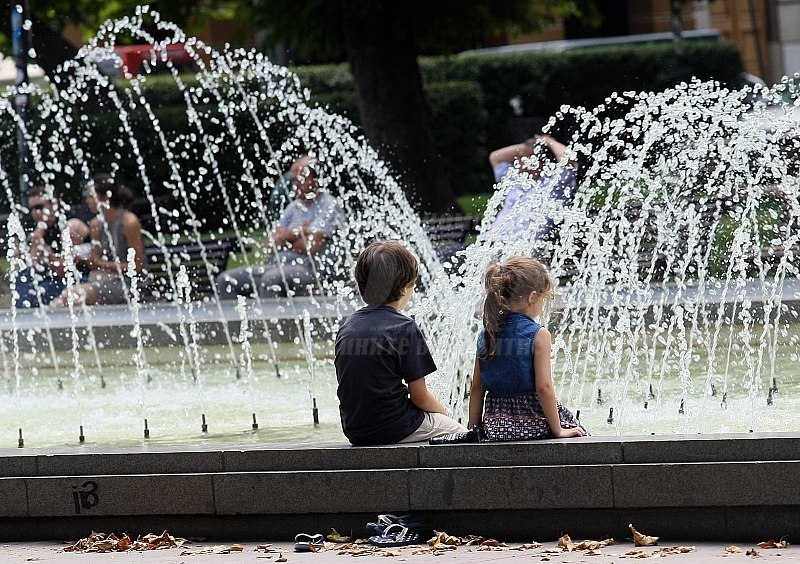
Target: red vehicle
{"points": [[128, 61]]}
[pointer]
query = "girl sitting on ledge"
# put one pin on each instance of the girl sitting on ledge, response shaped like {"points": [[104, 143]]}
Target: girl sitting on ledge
{"points": [[512, 388]]}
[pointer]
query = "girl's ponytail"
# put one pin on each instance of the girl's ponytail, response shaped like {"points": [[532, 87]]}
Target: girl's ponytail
{"points": [[495, 307], [505, 284]]}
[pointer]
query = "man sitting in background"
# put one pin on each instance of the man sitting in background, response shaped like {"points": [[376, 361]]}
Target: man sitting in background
{"points": [[302, 242]]}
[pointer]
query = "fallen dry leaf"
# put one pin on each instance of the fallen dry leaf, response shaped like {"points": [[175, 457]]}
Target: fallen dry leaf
{"points": [[492, 544], [353, 549], [472, 539], [393, 553], [642, 540], [100, 542], [676, 549], [336, 537], [528, 546], [444, 539], [222, 549], [639, 553], [280, 558], [733, 549], [566, 543], [772, 544], [593, 545]]}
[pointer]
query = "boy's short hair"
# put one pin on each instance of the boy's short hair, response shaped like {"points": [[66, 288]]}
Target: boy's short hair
{"points": [[383, 270]]}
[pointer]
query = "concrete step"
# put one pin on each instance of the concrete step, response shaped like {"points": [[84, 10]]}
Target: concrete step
{"points": [[703, 487]]}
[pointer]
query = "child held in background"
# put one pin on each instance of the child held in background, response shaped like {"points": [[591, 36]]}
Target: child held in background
{"points": [[512, 388], [382, 359]]}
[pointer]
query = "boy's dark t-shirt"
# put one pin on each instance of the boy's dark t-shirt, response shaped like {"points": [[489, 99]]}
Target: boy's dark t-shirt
{"points": [[376, 349]]}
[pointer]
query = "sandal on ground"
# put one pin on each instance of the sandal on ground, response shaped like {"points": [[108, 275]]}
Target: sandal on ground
{"points": [[387, 519], [454, 438], [306, 543], [395, 535]]}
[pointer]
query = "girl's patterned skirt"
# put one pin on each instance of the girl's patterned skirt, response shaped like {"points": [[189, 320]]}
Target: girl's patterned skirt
{"points": [[521, 418]]}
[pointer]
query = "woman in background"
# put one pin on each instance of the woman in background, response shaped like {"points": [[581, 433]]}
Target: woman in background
{"points": [[113, 232]]}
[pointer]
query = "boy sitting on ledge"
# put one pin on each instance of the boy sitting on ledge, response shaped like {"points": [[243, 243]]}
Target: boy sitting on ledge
{"points": [[382, 359]]}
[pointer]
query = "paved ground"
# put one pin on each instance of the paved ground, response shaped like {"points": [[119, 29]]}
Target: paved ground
{"points": [[284, 552]]}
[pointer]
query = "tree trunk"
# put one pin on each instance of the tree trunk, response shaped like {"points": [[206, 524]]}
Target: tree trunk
{"points": [[393, 108]]}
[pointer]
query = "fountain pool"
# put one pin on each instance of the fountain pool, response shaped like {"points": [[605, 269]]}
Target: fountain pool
{"points": [[676, 258]]}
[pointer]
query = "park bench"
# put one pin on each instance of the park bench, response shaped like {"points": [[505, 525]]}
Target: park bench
{"points": [[655, 255], [202, 261], [449, 234]]}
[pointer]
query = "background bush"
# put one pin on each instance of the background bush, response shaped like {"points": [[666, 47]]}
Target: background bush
{"points": [[544, 81], [468, 96]]}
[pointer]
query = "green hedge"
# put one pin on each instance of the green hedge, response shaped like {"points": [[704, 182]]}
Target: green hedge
{"points": [[582, 77]]}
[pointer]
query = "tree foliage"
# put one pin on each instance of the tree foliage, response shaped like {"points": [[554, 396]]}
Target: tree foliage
{"points": [[447, 26]]}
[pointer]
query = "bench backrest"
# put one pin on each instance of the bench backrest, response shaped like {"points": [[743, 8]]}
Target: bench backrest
{"points": [[202, 261], [449, 229]]}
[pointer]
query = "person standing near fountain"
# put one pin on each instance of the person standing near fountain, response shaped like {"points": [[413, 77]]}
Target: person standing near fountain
{"points": [[512, 387], [382, 359], [514, 219], [113, 232], [44, 277], [303, 242]]}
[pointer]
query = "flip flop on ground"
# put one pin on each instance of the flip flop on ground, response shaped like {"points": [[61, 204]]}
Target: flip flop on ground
{"points": [[387, 519], [395, 535], [306, 543]]}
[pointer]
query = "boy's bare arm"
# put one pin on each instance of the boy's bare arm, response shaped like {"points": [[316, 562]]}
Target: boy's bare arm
{"points": [[423, 398]]}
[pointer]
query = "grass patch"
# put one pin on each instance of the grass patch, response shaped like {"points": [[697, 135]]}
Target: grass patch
{"points": [[474, 204]]}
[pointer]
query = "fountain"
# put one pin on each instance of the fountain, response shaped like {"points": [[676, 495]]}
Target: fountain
{"points": [[669, 318]]}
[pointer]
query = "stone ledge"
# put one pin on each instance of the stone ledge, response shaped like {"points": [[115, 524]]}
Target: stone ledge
{"points": [[341, 456]]}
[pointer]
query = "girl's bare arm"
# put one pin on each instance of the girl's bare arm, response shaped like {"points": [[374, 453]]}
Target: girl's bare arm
{"points": [[544, 386]]}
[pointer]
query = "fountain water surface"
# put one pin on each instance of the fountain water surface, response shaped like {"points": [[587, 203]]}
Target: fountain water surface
{"points": [[668, 318]]}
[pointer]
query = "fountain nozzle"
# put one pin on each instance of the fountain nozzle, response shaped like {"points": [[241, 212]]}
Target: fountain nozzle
{"points": [[204, 426], [650, 394], [21, 442], [315, 411], [681, 410], [610, 419], [255, 423], [146, 430], [599, 397], [774, 389], [81, 438], [769, 397]]}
